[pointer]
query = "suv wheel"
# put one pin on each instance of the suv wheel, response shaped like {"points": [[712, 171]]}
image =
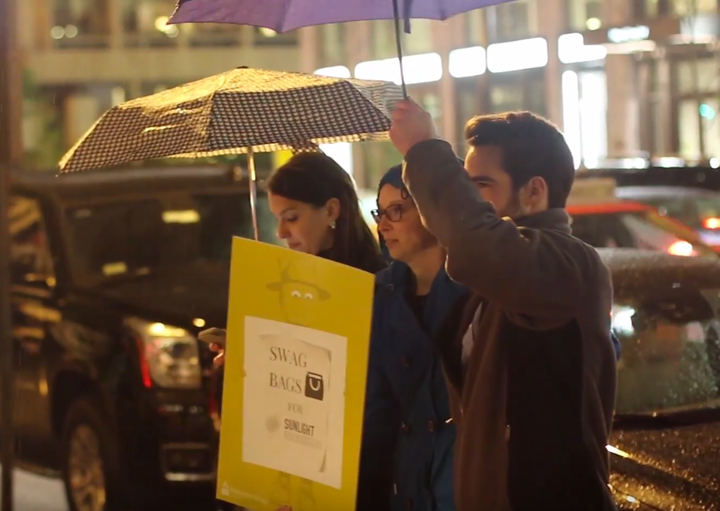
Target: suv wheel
{"points": [[88, 461]]}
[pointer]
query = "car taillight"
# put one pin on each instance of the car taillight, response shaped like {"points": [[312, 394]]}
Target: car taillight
{"points": [[169, 356], [711, 223], [681, 248]]}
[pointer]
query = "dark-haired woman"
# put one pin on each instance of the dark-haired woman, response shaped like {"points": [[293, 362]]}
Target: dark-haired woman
{"points": [[318, 212]]}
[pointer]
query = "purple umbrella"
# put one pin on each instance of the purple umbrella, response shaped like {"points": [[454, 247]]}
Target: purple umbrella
{"points": [[285, 15]]}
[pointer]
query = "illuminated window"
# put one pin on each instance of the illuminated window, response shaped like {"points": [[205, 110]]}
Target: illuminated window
{"points": [[418, 69], [342, 153], [584, 97], [334, 72], [572, 49], [517, 55], [467, 62]]}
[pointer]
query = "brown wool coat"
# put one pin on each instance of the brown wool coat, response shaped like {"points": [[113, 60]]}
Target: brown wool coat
{"points": [[534, 407]]}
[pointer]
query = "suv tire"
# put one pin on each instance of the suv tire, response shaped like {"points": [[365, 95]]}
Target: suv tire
{"points": [[89, 459]]}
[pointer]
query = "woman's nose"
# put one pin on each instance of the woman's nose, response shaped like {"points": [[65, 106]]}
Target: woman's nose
{"points": [[282, 232], [384, 225]]}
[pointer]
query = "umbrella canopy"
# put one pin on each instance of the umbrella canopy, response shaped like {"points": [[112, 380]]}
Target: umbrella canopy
{"points": [[286, 15], [235, 112]]}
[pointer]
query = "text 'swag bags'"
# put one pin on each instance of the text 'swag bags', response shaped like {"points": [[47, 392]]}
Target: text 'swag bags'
{"points": [[295, 374]]}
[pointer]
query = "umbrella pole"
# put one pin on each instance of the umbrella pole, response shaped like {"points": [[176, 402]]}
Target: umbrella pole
{"points": [[398, 44], [253, 192]]}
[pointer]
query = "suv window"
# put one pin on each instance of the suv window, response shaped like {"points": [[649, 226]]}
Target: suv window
{"points": [[671, 349], [142, 237], [646, 230], [30, 256]]}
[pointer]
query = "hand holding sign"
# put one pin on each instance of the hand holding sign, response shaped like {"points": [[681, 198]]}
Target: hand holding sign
{"points": [[215, 338]]}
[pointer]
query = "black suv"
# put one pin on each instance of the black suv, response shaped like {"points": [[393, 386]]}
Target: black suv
{"points": [[113, 275]]}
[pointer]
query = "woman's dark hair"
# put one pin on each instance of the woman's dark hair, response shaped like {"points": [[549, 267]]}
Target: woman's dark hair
{"points": [[314, 179]]}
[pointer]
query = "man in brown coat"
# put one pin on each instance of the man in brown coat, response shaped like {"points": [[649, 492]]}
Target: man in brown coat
{"points": [[531, 372]]}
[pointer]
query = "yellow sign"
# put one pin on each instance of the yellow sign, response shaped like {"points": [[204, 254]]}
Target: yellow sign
{"points": [[295, 373]]}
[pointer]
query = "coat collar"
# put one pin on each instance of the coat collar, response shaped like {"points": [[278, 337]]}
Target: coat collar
{"points": [[555, 218], [444, 292]]}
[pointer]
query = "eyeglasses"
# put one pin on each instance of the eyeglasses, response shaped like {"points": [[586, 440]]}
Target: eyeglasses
{"points": [[393, 213]]}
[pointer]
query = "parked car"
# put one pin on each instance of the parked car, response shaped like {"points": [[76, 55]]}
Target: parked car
{"points": [[113, 275], [698, 209], [602, 220], [666, 439]]}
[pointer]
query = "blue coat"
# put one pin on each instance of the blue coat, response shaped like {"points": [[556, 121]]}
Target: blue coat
{"points": [[408, 442]]}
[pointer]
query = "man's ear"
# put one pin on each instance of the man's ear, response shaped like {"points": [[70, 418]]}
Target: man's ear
{"points": [[536, 191]]}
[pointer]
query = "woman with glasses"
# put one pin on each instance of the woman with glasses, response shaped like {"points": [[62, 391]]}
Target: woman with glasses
{"points": [[408, 436]]}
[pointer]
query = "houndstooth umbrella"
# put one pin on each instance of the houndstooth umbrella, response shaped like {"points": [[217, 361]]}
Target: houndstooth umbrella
{"points": [[243, 110]]}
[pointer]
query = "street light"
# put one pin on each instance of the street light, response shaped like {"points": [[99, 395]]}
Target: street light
{"points": [[10, 110]]}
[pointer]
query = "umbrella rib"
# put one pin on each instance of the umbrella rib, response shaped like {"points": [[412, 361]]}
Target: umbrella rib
{"points": [[284, 15]]}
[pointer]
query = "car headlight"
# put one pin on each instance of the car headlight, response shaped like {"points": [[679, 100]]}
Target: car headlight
{"points": [[169, 356]]}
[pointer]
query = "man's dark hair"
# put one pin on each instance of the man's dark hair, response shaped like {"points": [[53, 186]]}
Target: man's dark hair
{"points": [[531, 146]]}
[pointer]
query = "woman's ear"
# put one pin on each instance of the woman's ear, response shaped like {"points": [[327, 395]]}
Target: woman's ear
{"points": [[333, 208]]}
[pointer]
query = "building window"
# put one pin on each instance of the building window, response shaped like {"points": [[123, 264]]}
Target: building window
{"points": [[80, 23], [332, 44], [512, 20], [692, 130], [693, 7], [30, 258], [383, 40], [521, 92], [659, 8], [467, 105], [268, 37], [691, 79], [474, 25], [695, 90], [584, 14], [145, 22], [212, 34], [378, 158], [43, 140], [584, 97], [420, 40]]}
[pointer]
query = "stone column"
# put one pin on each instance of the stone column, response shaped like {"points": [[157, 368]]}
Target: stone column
{"points": [[551, 27], [623, 121]]}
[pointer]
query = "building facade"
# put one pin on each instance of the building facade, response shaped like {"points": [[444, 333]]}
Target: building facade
{"points": [[624, 78], [80, 57]]}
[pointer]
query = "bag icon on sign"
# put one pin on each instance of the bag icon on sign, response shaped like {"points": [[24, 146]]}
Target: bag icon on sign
{"points": [[314, 386]]}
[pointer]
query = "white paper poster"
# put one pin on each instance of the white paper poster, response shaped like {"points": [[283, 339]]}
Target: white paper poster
{"points": [[294, 400]]}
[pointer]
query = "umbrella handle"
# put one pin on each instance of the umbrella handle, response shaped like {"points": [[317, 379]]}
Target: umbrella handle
{"points": [[253, 192], [398, 44]]}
